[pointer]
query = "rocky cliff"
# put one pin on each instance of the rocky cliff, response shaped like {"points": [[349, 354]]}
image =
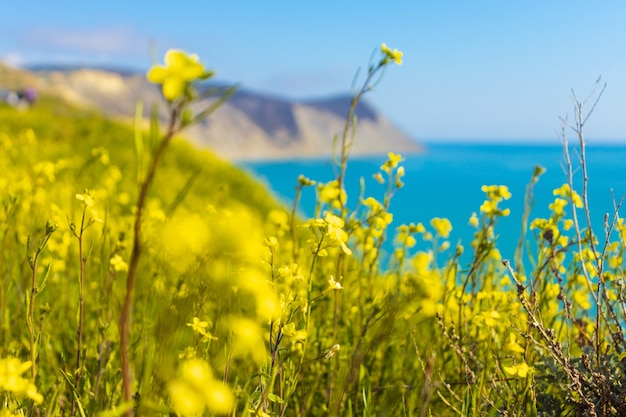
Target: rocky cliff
{"points": [[248, 126]]}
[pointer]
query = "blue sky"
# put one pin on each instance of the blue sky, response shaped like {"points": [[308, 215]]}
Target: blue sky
{"points": [[478, 70]]}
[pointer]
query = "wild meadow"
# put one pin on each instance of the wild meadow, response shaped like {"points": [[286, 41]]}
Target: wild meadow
{"points": [[140, 276]]}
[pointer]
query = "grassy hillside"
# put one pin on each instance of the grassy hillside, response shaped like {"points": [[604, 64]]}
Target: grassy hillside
{"points": [[75, 135], [54, 233]]}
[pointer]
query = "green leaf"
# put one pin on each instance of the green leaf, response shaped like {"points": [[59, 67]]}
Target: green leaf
{"points": [[139, 139], [75, 393], [275, 398]]}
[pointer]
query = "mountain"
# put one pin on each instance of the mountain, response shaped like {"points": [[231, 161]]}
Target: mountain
{"points": [[249, 126]]}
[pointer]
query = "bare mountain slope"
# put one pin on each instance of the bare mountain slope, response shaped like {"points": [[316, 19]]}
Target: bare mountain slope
{"points": [[248, 126]]}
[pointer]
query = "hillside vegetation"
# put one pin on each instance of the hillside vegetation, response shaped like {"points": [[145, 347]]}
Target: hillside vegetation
{"points": [[140, 276]]}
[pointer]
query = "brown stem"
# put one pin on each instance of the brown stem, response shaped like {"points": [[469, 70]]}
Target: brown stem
{"points": [[126, 314]]}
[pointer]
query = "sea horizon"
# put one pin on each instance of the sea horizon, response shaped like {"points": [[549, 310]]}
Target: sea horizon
{"points": [[446, 181]]}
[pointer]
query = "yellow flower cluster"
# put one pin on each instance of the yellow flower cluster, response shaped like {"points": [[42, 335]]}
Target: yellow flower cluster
{"points": [[495, 194], [520, 370], [336, 233], [391, 55], [331, 194], [11, 380], [566, 192], [201, 328], [442, 226], [196, 390]]}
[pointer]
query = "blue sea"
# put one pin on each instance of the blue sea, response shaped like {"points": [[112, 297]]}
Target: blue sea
{"points": [[446, 180]]}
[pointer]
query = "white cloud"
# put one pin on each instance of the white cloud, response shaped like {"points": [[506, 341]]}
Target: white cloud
{"points": [[13, 59], [304, 83], [99, 40]]}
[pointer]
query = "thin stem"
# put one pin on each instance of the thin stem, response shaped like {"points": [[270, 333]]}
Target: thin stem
{"points": [[31, 317], [136, 253], [81, 303], [346, 143], [292, 223]]}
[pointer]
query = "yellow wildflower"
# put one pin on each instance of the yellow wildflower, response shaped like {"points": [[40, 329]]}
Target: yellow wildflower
{"points": [[196, 389], [334, 285], [336, 232], [489, 207], [513, 346], [179, 71], [442, 226], [490, 318], [558, 206], [395, 55], [473, 221], [86, 198], [496, 192], [393, 159], [520, 370], [117, 264], [566, 192], [11, 370]]}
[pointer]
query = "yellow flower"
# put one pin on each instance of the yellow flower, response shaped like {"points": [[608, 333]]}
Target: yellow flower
{"points": [[198, 325], [271, 242], [496, 192], [581, 299], [336, 233], [539, 223], [334, 285], [179, 71], [406, 239], [567, 224], [489, 207], [442, 226], [513, 346], [197, 389], [290, 330], [421, 262], [566, 192], [331, 193], [11, 370], [393, 159], [86, 198], [395, 55], [117, 264], [558, 206], [248, 339], [474, 220], [520, 370], [491, 318]]}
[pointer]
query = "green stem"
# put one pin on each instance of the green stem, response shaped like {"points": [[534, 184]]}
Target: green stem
{"points": [[81, 305], [346, 144]]}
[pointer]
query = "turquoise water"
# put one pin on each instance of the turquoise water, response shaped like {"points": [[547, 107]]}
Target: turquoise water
{"points": [[445, 181]]}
